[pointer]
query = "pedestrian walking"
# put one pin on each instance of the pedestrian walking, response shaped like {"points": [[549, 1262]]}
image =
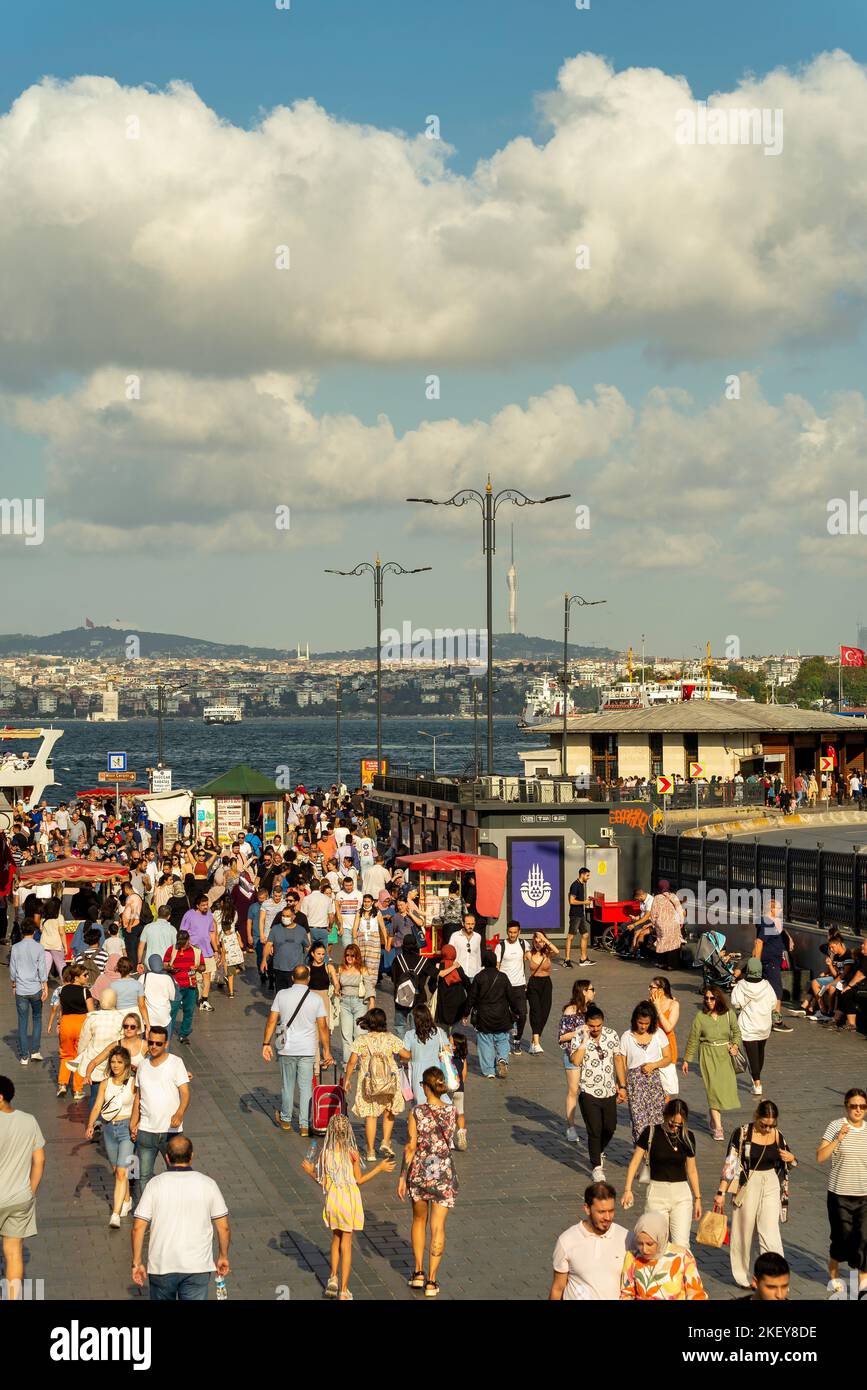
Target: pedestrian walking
{"points": [[352, 992], [656, 1269], [578, 920], [642, 1054], [423, 1045], [493, 1007], [588, 1257], [459, 1052], [185, 964], [379, 1092], [337, 1170], [112, 1108], [539, 988], [670, 1152], [28, 975], [668, 1009], [180, 1210], [715, 1038], [512, 960], [75, 1004], [162, 1094], [428, 1178], [755, 1003], [371, 938], [598, 1092], [300, 1020], [772, 939], [451, 985], [22, 1165], [667, 916], [756, 1172], [569, 1035], [845, 1144]]}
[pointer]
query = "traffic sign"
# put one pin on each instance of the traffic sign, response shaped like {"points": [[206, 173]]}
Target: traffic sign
{"points": [[696, 771], [161, 779], [125, 776], [117, 762], [664, 785], [826, 764]]}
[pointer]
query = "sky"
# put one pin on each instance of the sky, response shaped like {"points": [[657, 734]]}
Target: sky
{"points": [[266, 272]]}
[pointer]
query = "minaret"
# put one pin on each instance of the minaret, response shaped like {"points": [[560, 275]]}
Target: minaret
{"points": [[512, 584]]}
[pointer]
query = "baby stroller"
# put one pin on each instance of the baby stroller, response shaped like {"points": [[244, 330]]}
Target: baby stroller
{"points": [[714, 961]]}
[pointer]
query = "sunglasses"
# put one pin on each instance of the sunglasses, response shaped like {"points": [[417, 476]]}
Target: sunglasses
{"points": [[856, 1105], [156, 1042], [130, 1028]]}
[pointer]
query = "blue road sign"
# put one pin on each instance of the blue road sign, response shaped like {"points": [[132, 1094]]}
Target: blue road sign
{"points": [[117, 762]]}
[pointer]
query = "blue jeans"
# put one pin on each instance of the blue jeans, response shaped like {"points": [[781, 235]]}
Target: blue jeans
{"points": [[184, 1003], [298, 1069], [184, 1288], [147, 1146], [351, 1010], [319, 936], [32, 1003], [492, 1047]]}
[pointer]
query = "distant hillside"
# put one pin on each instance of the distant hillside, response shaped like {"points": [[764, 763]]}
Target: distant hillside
{"points": [[109, 642]]}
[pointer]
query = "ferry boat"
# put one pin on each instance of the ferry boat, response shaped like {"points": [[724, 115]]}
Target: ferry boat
{"points": [[544, 700], [222, 714], [25, 763], [628, 694]]}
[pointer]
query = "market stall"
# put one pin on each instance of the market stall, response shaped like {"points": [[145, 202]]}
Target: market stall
{"points": [[66, 871], [438, 868], [242, 796]]}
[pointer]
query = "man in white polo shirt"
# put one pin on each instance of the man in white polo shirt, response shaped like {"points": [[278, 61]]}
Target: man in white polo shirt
{"points": [[588, 1258], [182, 1208]]}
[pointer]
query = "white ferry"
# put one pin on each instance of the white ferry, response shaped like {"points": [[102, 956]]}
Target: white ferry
{"points": [[644, 694], [544, 700], [222, 714], [25, 763]]}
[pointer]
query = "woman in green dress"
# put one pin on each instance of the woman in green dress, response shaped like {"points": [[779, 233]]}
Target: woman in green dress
{"points": [[715, 1038]]}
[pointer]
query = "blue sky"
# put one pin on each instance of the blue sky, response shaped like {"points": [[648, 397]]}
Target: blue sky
{"points": [[479, 66]]}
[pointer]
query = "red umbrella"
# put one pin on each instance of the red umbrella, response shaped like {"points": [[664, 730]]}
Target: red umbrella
{"points": [[106, 793], [72, 871]]}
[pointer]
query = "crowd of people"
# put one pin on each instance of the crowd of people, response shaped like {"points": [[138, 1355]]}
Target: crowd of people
{"points": [[331, 932]]}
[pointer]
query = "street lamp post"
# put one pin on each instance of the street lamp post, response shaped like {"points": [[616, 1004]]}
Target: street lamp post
{"points": [[475, 690], [568, 600], [433, 738], [378, 570], [160, 716], [338, 735], [489, 503]]}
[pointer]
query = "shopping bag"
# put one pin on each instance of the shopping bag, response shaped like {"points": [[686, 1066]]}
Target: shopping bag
{"points": [[712, 1229]]}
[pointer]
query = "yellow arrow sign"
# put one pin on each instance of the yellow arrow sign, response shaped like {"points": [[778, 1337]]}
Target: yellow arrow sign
{"points": [[826, 764], [696, 771], [663, 785]]}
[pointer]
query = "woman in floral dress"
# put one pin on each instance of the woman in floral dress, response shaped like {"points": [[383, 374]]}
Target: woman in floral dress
{"points": [[657, 1270], [376, 1042], [371, 938], [644, 1051], [428, 1177]]}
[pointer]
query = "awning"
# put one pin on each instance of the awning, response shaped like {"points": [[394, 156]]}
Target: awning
{"points": [[106, 792], [167, 807], [71, 871], [490, 874]]}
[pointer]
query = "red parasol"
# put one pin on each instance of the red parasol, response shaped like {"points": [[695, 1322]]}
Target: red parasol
{"points": [[490, 874], [106, 793], [72, 871]]}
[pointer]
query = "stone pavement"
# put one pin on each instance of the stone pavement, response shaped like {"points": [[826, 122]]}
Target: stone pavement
{"points": [[520, 1182]]}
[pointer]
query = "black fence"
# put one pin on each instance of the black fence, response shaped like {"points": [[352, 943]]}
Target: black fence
{"points": [[823, 888]]}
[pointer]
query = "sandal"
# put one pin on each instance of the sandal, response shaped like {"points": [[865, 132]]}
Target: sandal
{"points": [[431, 1288], [417, 1281], [345, 1296], [331, 1287]]}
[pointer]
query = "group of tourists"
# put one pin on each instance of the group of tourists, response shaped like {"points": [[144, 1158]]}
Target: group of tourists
{"points": [[328, 928]]}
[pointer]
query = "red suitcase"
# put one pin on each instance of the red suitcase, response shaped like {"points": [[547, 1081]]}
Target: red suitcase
{"points": [[327, 1100]]}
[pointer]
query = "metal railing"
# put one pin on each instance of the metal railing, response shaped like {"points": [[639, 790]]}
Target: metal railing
{"points": [[560, 791], [823, 888]]}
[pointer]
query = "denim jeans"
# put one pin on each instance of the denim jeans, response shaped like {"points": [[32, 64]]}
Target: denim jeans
{"points": [[351, 1010], [185, 1288], [492, 1047], [184, 1003], [26, 1003], [298, 1069], [147, 1146]]}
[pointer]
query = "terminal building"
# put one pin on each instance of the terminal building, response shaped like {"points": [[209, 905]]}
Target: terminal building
{"points": [[726, 737]]}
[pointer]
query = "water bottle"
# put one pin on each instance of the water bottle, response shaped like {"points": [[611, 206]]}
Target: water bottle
{"points": [[312, 1151], [222, 1291]]}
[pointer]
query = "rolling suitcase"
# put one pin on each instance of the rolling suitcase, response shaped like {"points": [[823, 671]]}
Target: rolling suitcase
{"points": [[328, 1099]]}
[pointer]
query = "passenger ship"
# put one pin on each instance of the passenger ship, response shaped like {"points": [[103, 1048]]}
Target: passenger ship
{"points": [[25, 764], [222, 714]]}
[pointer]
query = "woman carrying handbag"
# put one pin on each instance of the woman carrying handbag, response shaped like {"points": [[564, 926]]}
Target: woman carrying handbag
{"points": [[716, 1038], [756, 1172]]}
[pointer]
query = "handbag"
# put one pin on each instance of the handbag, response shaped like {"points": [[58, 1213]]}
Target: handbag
{"points": [[712, 1229], [448, 1069], [739, 1062], [406, 1085]]}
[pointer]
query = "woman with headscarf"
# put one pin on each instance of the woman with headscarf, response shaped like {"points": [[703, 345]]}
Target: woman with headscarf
{"points": [[451, 990], [655, 1269], [159, 993]]}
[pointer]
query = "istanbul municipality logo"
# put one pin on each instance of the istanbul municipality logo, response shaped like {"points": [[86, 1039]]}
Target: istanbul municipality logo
{"points": [[535, 890]]}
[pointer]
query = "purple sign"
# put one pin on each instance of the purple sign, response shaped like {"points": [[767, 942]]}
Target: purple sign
{"points": [[536, 882]]}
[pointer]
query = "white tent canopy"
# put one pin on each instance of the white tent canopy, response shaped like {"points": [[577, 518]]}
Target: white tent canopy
{"points": [[167, 807]]}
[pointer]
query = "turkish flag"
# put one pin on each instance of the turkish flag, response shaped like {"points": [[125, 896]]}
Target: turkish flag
{"points": [[851, 656], [688, 691], [831, 752]]}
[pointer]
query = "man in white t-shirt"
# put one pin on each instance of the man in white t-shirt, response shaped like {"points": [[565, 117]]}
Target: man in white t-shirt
{"points": [[468, 947], [302, 1021], [348, 904], [162, 1094], [182, 1208], [318, 908], [510, 959], [374, 878], [588, 1258]]}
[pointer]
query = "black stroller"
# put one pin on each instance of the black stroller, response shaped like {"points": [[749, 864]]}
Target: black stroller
{"points": [[716, 963]]}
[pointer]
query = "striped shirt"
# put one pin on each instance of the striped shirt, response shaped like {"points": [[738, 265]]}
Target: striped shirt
{"points": [[849, 1161]]}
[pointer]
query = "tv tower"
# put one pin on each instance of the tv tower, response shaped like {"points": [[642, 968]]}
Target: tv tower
{"points": [[512, 585]]}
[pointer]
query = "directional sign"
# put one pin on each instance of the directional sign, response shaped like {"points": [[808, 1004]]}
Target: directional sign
{"points": [[161, 779], [696, 771], [117, 762], [117, 776], [664, 785], [826, 764]]}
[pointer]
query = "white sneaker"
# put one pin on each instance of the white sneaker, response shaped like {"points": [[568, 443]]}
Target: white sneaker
{"points": [[757, 1088], [114, 1220], [599, 1174], [571, 1134], [536, 1047], [25, 1061], [127, 1207], [36, 1057]]}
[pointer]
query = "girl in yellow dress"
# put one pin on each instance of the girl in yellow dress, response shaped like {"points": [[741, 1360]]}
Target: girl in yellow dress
{"points": [[338, 1172]]}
